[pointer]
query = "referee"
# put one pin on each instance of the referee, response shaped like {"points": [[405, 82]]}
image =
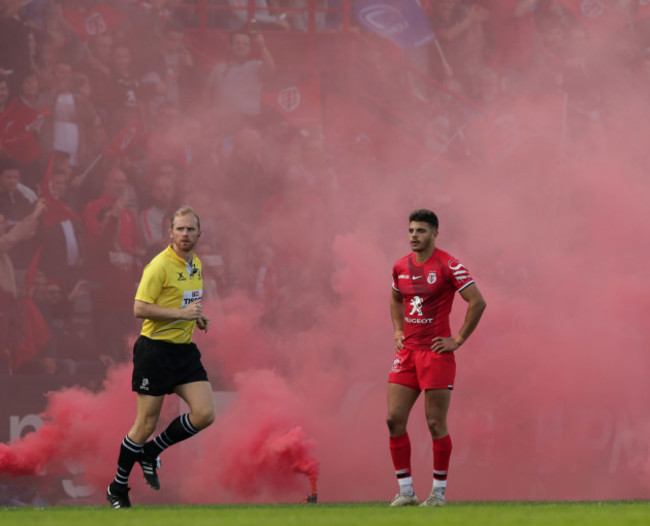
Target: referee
{"points": [[165, 360]]}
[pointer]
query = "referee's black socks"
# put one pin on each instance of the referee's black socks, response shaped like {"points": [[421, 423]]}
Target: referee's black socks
{"points": [[129, 453], [178, 430]]}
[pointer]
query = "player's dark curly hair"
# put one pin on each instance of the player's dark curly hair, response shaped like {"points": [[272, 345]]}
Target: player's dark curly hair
{"points": [[424, 216]]}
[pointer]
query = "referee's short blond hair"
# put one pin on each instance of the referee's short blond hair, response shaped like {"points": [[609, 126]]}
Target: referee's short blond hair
{"points": [[184, 211]]}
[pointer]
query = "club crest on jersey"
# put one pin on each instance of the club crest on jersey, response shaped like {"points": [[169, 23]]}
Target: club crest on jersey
{"points": [[432, 277], [416, 303]]}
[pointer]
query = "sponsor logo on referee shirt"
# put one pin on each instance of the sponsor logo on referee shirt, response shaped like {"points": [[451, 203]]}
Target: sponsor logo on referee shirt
{"points": [[190, 296], [181, 277]]}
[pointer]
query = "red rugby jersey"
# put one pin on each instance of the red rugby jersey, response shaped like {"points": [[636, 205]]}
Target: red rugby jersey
{"points": [[428, 292]]}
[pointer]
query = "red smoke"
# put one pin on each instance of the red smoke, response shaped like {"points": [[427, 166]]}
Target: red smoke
{"points": [[552, 390]]}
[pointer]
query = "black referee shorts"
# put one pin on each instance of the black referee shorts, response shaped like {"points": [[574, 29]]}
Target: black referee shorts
{"points": [[159, 366]]}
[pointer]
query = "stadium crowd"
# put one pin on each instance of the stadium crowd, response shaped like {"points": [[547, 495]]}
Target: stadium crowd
{"points": [[105, 131]]}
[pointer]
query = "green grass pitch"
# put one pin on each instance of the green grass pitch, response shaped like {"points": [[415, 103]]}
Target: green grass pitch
{"points": [[619, 513]]}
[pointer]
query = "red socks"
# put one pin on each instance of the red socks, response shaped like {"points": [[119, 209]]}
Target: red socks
{"points": [[400, 451], [441, 454]]}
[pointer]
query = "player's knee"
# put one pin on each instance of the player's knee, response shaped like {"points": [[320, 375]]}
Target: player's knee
{"points": [[202, 417], [437, 428], [395, 426], [141, 431]]}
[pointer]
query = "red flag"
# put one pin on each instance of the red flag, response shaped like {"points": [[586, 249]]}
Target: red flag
{"points": [[300, 104], [37, 333], [97, 21], [17, 126], [596, 16], [124, 140], [57, 210]]}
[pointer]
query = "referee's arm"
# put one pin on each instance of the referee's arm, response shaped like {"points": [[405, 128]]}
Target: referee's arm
{"points": [[151, 311]]}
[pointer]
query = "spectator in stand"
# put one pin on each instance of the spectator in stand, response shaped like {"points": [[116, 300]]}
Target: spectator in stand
{"points": [[511, 30], [30, 91], [491, 135], [62, 40], [14, 44], [300, 19], [171, 69], [15, 207], [61, 236], [124, 93], [144, 25], [72, 118], [4, 94], [34, 53], [30, 96], [212, 261], [61, 163], [64, 353], [293, 260], [97, 67], [11, 322], [245, 168], [235, 86], [154, 220], [10, 236], [263, 19], [460, 31], [166, 143], [313, 166], [111, 248]]}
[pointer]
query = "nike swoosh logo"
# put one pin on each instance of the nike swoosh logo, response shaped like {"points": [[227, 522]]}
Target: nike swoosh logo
{"points": [[417, 277]]}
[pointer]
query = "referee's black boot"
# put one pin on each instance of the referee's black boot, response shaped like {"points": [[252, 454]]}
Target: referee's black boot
{"points": [[149, 470], [118, 498]]}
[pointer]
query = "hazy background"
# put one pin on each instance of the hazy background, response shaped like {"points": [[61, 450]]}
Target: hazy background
{"points": [[551, 398]]}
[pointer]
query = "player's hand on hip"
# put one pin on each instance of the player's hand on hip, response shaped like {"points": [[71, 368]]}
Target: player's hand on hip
{"points": [[441, 345], [193, 311], [399, 340]]}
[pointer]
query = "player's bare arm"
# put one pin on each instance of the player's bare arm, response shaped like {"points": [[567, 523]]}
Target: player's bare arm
{"points": [[475, 307], [151, 311], [397, 315]]}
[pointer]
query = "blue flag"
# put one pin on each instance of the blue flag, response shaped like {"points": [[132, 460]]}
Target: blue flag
{"points": [[401, 21]]}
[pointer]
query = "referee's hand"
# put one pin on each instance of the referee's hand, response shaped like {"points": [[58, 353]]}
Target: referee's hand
{"points": [[194, 311], [202, 323]]}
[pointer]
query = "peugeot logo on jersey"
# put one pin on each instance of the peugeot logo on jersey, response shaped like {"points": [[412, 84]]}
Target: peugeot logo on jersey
{"points": [[416, 303]]}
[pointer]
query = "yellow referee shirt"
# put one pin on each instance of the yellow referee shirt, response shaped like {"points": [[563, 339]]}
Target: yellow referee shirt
{"points": [[168, 281]]}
